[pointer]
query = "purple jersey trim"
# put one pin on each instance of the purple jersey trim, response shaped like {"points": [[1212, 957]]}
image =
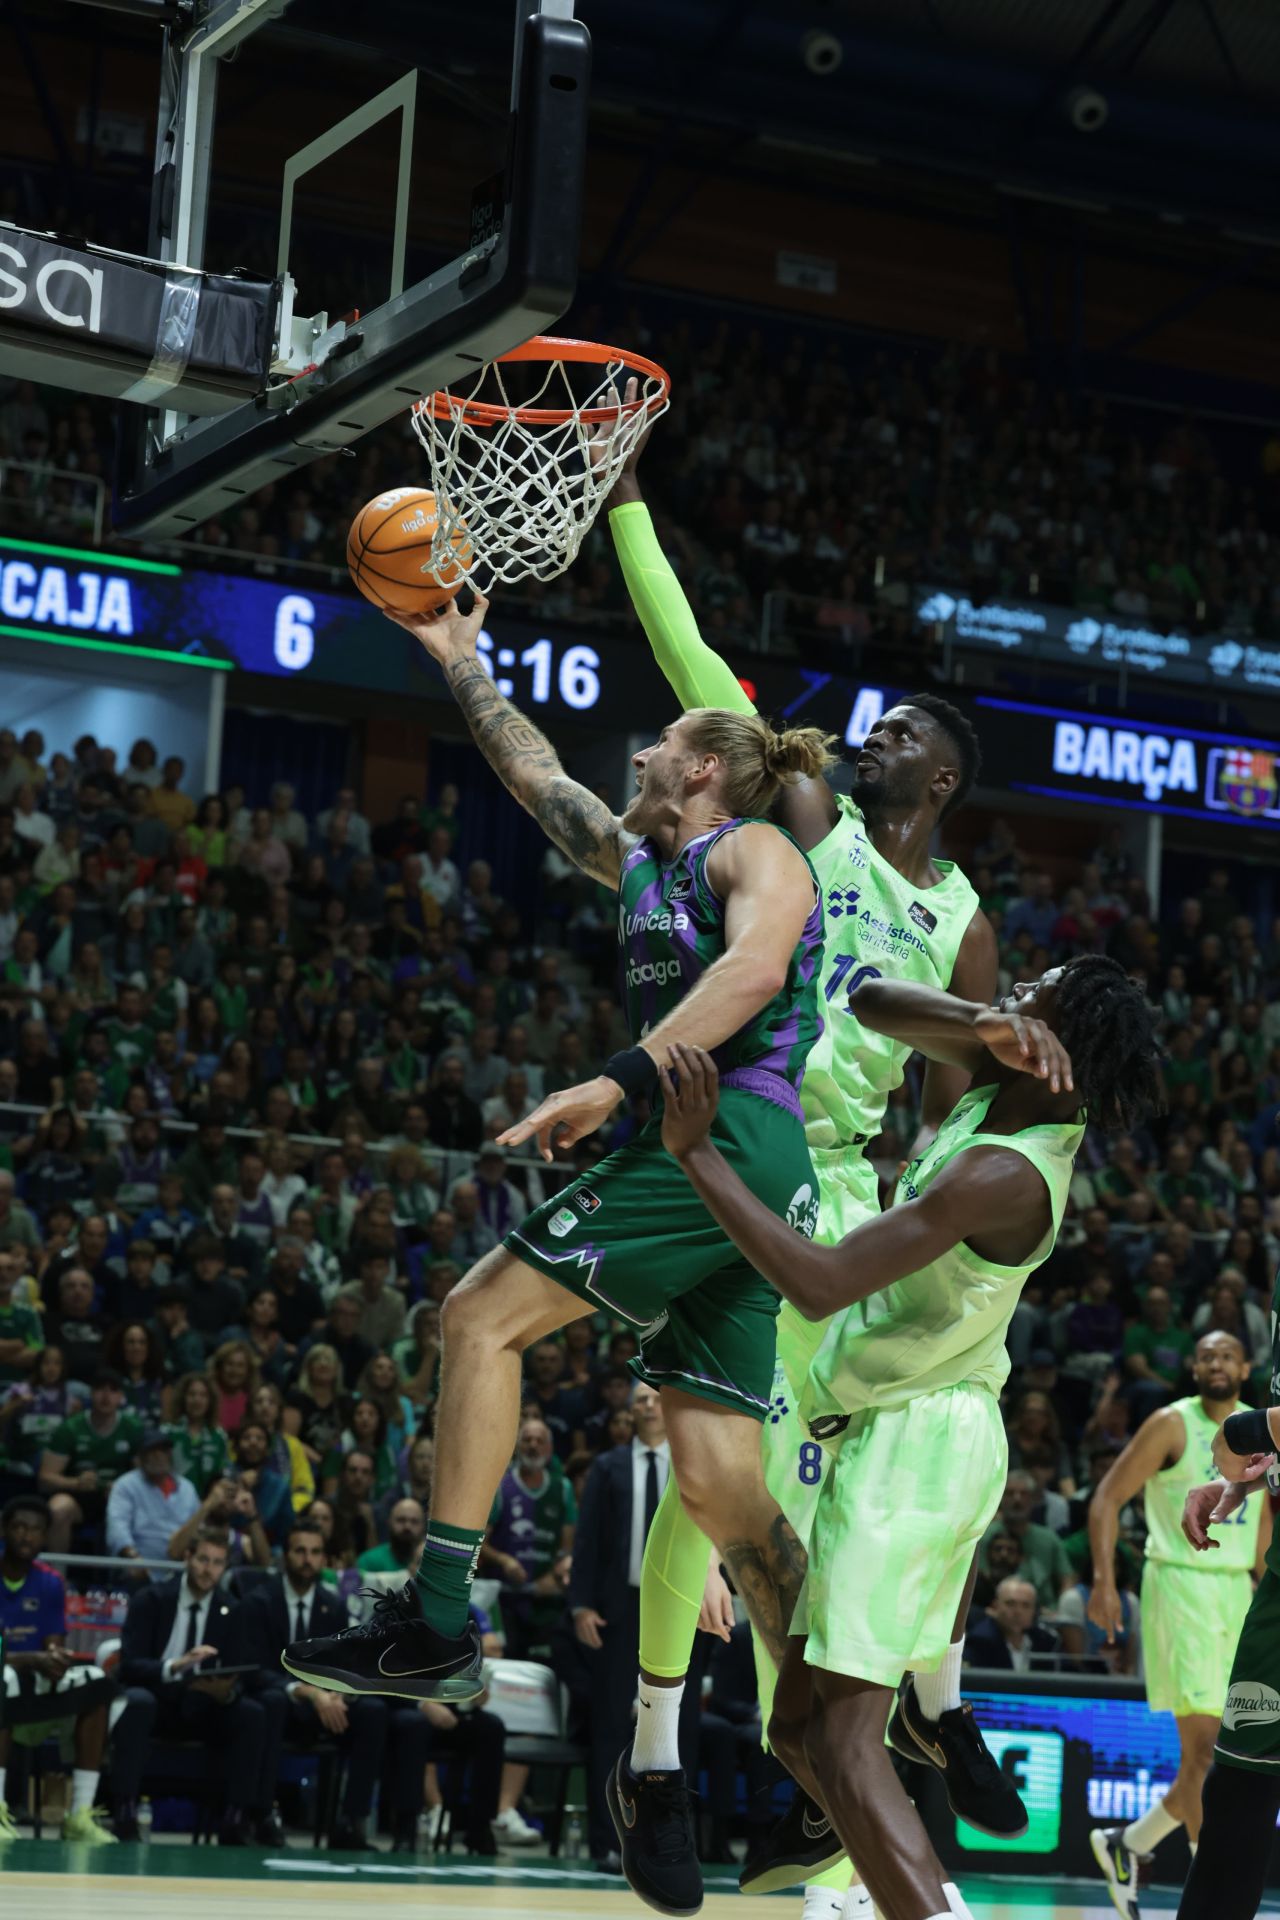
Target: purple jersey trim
{"points": [[768, 1086], [590, 1258], [641, 1367]]}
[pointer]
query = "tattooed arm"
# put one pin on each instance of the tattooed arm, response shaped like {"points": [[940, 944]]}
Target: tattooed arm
{"points": [[523, 758]]}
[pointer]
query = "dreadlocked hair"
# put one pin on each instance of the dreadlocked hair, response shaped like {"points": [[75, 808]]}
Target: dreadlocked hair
{"points": [[960, 733], [1102, 1018]]}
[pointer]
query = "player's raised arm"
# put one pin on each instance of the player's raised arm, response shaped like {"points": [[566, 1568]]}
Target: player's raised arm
{"points": [[697, 675], [522, 757], [695, 672], [767, 895]]}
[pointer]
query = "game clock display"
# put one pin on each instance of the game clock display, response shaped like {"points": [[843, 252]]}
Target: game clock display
{"points": [[213, 620], [218, 622], [569, 676]]}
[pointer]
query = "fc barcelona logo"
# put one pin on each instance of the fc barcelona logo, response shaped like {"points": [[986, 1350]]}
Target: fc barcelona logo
{"points": [[1247, 780]]}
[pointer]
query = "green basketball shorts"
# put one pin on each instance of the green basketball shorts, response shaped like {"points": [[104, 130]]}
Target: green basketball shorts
{"points": [[1192, 1618], [633, 1237], [911, 1492], [1249, 1736]]}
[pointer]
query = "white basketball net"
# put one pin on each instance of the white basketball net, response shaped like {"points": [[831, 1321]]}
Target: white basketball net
{"points": [[523, 494]]}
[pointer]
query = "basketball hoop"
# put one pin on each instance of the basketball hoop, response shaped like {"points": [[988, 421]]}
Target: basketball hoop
{"points": [[522, 462]]}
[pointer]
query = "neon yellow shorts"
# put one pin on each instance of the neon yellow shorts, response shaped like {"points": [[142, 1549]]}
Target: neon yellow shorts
{"points": [[1191, 1621], [902, 1508]]}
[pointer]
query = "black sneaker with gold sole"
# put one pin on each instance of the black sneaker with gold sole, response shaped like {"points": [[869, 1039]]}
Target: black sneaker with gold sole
{"points": [[977, 1791], [654, 1820]]}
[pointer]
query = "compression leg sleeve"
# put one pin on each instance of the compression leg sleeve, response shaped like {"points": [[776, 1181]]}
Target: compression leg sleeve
{"points": [[697, 675], [672, 1579]]}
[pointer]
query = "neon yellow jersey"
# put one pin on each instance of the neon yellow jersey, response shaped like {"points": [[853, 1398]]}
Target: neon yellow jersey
{"points": [[878, 924], [944, 1326], [1165, 1493]]}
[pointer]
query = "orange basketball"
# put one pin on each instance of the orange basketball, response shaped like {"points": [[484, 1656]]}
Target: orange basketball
{"points": [[389, 553]]}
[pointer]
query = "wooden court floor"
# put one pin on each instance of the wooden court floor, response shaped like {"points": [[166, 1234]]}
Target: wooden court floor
{"points": [[48, 1881]]}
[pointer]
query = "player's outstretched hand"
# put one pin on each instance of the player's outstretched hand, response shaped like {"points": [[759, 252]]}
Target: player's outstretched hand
{"points": [[565, 1117], [1025, 1044], [626, 486], [448, 633], [1213, 1504], [691, 1096]]}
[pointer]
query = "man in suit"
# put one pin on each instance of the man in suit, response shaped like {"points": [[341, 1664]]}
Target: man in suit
{"points": [[173, 1628], [295, 1606], [1009, 1637], [619, 1501]]}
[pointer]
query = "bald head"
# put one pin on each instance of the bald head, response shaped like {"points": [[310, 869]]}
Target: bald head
{"points": [[406, 1530], [1014, 1608], [1219, 1367]]}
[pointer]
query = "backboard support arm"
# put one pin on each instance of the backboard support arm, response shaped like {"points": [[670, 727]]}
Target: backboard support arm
{"points": [[177, 471]]}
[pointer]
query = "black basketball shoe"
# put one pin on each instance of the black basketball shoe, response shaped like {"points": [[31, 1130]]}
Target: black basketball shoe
{"points": [[1124, 1870], [396, 1652], [654, 1822], [977, 1791], [802, 1843]]}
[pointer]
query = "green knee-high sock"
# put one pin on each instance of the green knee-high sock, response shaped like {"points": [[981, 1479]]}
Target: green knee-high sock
{"points": [[445, 1573], [676, 1557]]}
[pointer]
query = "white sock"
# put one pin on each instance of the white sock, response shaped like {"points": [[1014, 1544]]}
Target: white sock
{"points": [[955, 1902], [823, 1903], [656, 1747], [84, 1786], [939, 1692], [3, 1771], [1145, 1835], [858, 1904]]}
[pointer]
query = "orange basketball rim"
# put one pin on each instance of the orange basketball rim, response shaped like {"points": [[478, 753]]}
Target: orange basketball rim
{"points": [[524, 452], [557, 350]]}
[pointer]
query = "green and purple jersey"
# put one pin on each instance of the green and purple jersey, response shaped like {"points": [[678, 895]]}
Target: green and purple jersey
{"points": [[671, 929]]}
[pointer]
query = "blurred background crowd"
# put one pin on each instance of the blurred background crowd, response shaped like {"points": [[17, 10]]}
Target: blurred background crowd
{"points": [[818, 467], [253, 1064]]}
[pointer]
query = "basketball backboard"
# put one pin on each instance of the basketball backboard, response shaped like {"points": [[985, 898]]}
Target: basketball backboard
{"points": [[334, 379]]}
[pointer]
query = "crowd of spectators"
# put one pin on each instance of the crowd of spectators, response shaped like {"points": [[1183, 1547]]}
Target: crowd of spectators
{"points": [[833, 468], [252, 1069], [1169, 1234]]}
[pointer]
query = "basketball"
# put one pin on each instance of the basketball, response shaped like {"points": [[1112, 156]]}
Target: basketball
{"points": [[389, 553]]}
